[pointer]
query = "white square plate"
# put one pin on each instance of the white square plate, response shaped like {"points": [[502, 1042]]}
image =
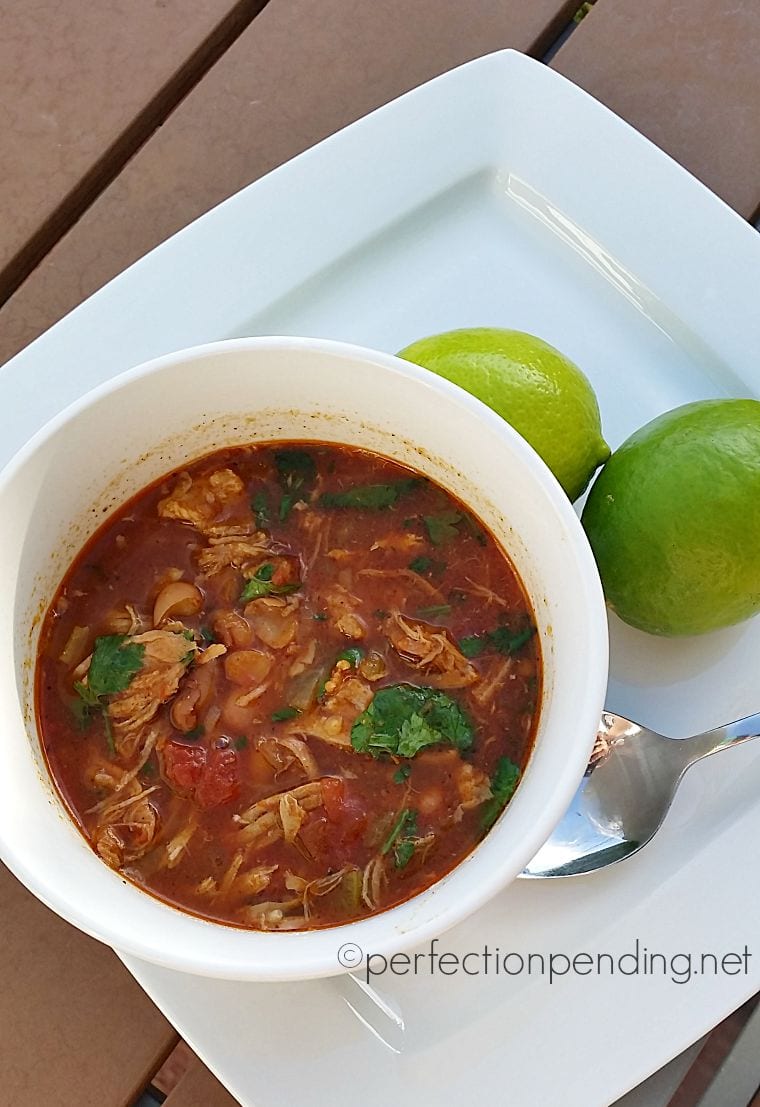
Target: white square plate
{"points": [[497, 194]]}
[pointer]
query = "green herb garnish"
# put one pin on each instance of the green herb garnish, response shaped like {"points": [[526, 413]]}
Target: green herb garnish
{"points": [[194, 734], [503, 783], [207, 635], [442, 528], [402, 719], [421, 565], [506, 641], [426, 565], [284, 713], [353, 655], [260, 506], [296, 473], [503, 640], [401, 774], [320, 617], [473, 645], [437, 609], [403, 851], [370, 497], [115, 661], [402, 838], [260, 584], [241, 742], [405, 821]]}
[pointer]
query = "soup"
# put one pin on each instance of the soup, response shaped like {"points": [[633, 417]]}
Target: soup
{"points": [[288, 687]]}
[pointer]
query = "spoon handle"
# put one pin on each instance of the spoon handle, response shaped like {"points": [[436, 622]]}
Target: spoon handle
{"points": [[712, 741]]}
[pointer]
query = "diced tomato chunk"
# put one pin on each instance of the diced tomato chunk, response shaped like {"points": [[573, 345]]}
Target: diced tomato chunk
{"points": [[219, 782], [285, 572], [333, 797], [347, 818], [183, 767], [208, 777]]}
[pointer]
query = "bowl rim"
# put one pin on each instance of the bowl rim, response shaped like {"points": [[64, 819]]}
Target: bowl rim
{"points": [[293, 963]]}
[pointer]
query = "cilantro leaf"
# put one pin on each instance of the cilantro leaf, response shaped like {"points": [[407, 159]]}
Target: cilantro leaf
{"points": [[353, 655], [403, 852], [370, 497], [503, 640], [402, 838], [503, 783], [442, 528], [296, 473], [114, 662], [260, 584], [421, 565], [406, 823], [436, 610], [473, 645], [401, 774], [506, 641], [402, 719], [260, 506], [284, 713], [424, 565], [415, 734]]}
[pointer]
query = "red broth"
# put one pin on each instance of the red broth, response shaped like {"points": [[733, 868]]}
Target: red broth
{"points": [[289, 687]]}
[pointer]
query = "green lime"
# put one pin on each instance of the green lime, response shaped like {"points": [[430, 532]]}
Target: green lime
{"points": [[674, 520], [541, 393]]}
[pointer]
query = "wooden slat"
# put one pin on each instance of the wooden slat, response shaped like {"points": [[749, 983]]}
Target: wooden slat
{"points": [[76, 1028], [685, 73], [81, 85], [303, 69], [198, 1088]]}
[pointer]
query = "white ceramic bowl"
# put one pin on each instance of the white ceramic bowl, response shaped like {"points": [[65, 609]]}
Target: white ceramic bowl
{"points": [[156, 417]]}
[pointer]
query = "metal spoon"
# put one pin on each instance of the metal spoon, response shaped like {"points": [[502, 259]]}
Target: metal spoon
{"points": [[626, 792]]}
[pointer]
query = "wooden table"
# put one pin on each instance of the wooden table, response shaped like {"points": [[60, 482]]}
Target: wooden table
{"points": [[124, 120]]}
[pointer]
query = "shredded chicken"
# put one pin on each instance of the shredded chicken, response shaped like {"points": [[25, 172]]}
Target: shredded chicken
{"points": [[179, 843], [208, 502], [165, 662], [341, 607], [346, 695], [284, 753], [124, 620], [493, 680], [274, 915], [431, 649], [374, 879], [473, 786], [232, 870], [309, 890], [485, 593], [243, 552], [254, 881], [127, 830], [119, 783], [279, 816], [404, 541], [408, 577]]}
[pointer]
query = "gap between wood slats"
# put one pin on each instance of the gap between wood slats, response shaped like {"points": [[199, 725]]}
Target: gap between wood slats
{"points": [[116, 156]]}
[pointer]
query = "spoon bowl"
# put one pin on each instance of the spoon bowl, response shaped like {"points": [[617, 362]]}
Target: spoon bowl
{"points": [[626, 792]]}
